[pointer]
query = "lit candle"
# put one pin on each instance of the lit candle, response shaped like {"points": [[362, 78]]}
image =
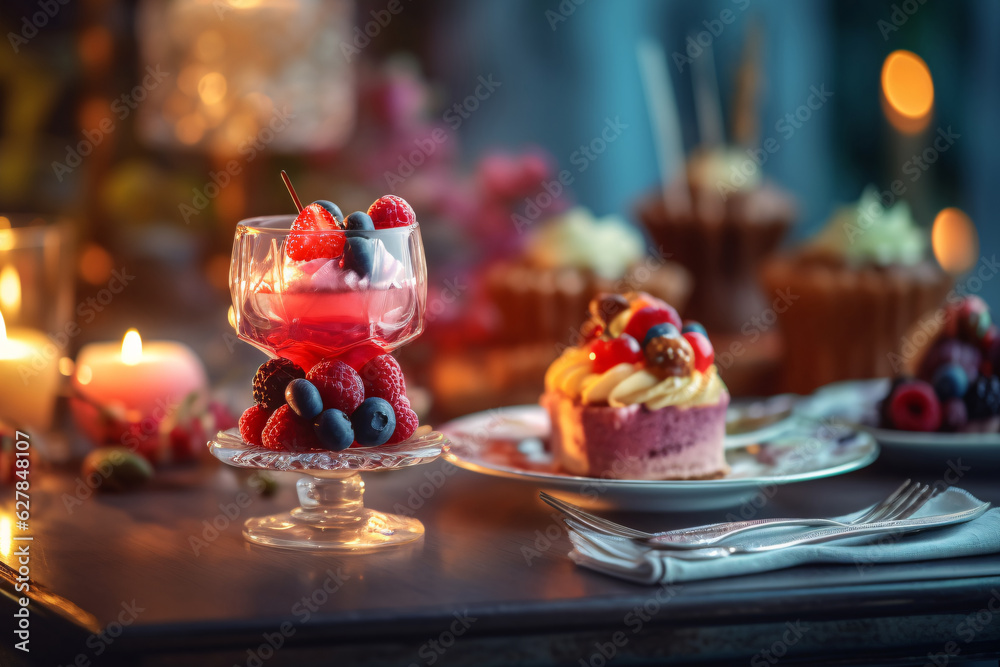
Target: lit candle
{"points": [[29, 377], [134, 380], [10, 292]]}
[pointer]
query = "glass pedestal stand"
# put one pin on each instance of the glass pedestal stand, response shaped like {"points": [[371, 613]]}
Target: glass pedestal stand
{"points": [[331, 515]]}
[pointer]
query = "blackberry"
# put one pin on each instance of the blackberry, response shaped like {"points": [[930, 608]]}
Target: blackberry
{"points": [[983, 398], [271, 380]]}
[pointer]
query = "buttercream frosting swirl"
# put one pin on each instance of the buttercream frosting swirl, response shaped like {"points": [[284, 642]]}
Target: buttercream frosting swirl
{"points": [[607, 245], [868, 232], [572, 375]]}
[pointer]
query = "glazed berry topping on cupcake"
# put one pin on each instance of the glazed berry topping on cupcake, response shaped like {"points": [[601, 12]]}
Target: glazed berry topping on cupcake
{"points": [[669, 354], [607, 353]]}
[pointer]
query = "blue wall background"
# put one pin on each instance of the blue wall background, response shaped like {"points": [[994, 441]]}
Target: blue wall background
{"points": [[562, 78]]}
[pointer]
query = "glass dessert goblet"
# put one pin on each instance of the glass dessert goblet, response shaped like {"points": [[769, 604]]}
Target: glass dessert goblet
{"points": [[364, 303]]}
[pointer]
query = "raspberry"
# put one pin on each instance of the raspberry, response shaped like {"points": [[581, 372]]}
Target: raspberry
{"points": [[284, 432], [914, 406], [621, 350], [884, 408], [252, 424], [391, 211], [644, 318], [339, 385], [983, 398], [383, 378], [406, 424], [271, 379], [315, 235]]}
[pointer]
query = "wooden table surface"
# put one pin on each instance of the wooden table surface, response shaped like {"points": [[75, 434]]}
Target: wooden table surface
{"points": [[116, 580]]}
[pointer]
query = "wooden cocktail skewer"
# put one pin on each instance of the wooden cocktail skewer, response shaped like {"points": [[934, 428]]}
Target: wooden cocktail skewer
{"points": [[291, 190]]}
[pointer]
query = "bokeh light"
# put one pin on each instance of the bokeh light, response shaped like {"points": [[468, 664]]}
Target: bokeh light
{"points": [[907, 91], [212, 88], [96, 264], [955, 241]]}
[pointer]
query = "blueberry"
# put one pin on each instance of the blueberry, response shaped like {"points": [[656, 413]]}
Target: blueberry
{"points": [[303, 398], [359, 255], [360, 221], [691, 325], [665, 329], [332, 208], [333, 428], [950, 381], [374, 422]]}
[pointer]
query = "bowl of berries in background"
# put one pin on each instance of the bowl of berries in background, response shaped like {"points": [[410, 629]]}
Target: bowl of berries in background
{"points": [[329, 297], [946, 399]]}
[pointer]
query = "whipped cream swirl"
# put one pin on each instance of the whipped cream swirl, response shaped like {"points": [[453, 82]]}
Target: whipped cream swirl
{"points": [[572, 375]]}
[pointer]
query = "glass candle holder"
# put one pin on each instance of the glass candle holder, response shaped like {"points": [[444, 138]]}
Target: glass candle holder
{"points": [[36, 324]]}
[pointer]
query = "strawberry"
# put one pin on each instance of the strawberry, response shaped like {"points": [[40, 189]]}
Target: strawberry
{"points": [[284, 432], [339, 385], [315, 234], [391, 211]]}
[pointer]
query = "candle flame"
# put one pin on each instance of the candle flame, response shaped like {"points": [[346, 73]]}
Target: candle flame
{"points": [[3, 330], [955, 241], [131, 348], [907, 91], [10, 290], [6, 235]]}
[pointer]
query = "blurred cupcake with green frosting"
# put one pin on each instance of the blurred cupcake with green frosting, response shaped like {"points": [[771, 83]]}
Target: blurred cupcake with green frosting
{"points": [[853, 292]]}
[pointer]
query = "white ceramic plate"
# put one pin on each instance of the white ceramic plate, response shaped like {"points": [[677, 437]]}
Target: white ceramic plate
{"points": [[509, 442], [751, 421], [856, 403]]}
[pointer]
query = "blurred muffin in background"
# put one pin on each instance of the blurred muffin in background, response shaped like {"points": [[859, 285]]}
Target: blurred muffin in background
{"points": [[855, 291], [541, 294], [537, 299], [720, 223]]}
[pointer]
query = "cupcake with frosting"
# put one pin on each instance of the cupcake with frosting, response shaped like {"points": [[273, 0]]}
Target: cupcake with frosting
{"points": [[720, 221], [641, 398], [566, 260], [853, 293]]}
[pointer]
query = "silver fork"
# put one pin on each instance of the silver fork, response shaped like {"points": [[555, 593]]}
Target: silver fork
{"points": [[902, 503]]}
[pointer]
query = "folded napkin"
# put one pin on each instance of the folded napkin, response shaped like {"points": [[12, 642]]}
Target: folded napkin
{"points": [[638, 563]]}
